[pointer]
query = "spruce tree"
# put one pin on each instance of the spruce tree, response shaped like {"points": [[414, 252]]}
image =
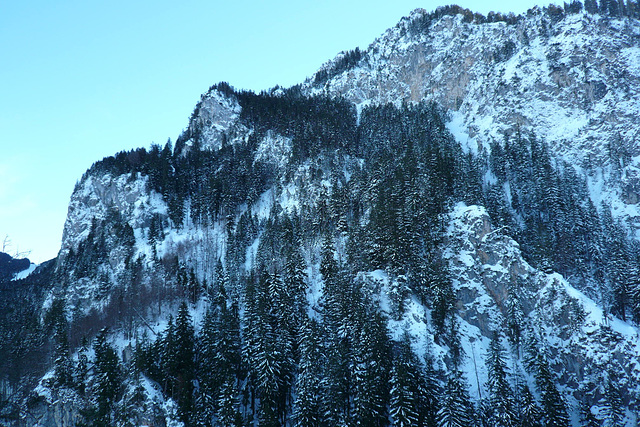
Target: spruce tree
{"points": [[295, 287], [456, 409], [443, 296], [430, 393], [612, 403], [591, 6], [182, 364], [210, 374], [108, 377], [228, 404], [339, 303], [63, 368], [514, 317], [371, 370], [81, 370], [407, 384], [307, 406], [528, 409], [553, 406], [501, 396]]}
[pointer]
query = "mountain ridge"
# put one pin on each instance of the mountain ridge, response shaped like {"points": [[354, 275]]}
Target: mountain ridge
{"points": [[321, 219]]}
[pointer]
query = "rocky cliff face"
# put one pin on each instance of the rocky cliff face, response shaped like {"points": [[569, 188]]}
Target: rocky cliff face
{"points": [[572, 80], [499, 291], [215, 120]]}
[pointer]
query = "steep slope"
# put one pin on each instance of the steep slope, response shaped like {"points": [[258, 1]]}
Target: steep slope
{"points": [[334, 253], [572, 79]]}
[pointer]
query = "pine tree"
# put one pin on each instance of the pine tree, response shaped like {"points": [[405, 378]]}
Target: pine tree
{"points": [[295, 286], [528, 410], [406, 384], [339, 303], [591, 6], [63, 368], [272, 376], [335, 291], [613, 406], [228, 413], [398, 293], [456, 409], [181, 365], [328, 264], [56, 319], [371, 370], [82, 368], [337, 383], [218, 347], [514, 317], [307, 406], [193, 287], [618, 267], [431, 393], [163, 350], [554, 407], [131, 410], [501, 401], [210, 374], [108, 377], [250, 339], [267, 351], [443, 297]]}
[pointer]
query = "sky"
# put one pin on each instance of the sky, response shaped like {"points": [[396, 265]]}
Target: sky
{"points": [[82, 80]]}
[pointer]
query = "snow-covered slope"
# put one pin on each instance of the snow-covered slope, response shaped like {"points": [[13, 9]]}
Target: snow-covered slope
{"points": [[499, 291], [574, 82], [244, 190]]}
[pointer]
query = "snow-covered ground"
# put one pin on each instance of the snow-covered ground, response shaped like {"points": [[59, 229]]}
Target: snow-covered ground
{"points": [[25, 273]]}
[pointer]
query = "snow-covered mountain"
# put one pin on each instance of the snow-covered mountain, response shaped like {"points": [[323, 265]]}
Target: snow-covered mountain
{"points": [[571, 79], [440, 228]]}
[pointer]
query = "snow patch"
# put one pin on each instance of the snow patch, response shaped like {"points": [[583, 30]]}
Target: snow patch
{"points": [[25, 273]]}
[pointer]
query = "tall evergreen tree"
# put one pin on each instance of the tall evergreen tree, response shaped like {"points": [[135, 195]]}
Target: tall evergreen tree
{"points": [[554, 407], [456, 409], [407, 405], [528, 409], [591, 6], [181, 363], [612, 403], [218, 355], [63, 368], [108, 378], [371, 369], [307, 406], [228, 404], [501, 396], [515, 316]]}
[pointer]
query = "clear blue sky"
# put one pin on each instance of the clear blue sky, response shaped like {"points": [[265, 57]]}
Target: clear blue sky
{"points": [[81, 80]]}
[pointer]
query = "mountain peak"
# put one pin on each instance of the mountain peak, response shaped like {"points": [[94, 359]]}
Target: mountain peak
{"points": [[569, 78]]}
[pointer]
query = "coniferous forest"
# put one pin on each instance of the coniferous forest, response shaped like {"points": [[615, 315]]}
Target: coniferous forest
{"points": [[298, 302], [260, 352]]}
